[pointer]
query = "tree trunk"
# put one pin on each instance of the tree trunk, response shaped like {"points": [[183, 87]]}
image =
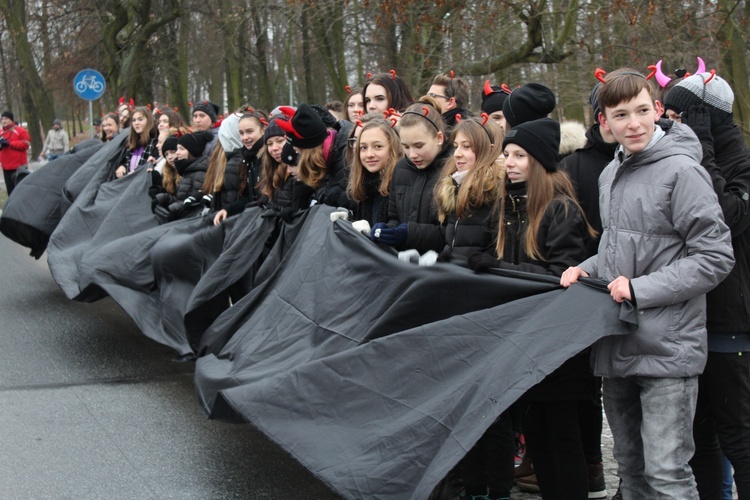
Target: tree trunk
{"points": [[38, 103]]}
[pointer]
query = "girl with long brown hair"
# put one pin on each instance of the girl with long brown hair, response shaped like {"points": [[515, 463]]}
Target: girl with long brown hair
{"points": [[542, 229], [141, 142], [377, 151]]}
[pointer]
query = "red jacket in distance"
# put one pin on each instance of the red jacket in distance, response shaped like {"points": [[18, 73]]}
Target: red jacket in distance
{"points": [[14, 155]]}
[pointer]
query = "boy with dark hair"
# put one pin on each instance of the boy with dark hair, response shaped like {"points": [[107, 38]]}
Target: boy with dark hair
{"points": [[452, 92], [664, 245]]}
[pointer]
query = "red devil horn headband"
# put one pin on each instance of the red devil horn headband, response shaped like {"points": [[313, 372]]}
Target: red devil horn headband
{"points": [[488, 88], [287, 127], [287, 110]]}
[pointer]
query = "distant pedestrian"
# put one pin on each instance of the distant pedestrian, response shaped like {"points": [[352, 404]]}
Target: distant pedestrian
{"points": [[14, 142], [57, 142]]}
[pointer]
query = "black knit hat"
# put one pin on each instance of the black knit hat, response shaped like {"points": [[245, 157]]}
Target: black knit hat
{"points": [[169, 144], [211, 109], [530, 102], [306, 129], [195, 143], [594, 101], [288, 154], [493, 98], [540, 138], [273, 130], [8, 115], [716, 95]]}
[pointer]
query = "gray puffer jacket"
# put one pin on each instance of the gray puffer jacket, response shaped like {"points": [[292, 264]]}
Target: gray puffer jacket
{"points": [[664, 230]]}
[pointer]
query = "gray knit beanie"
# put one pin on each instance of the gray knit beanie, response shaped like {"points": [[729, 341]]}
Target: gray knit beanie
{"points": [[717, 95]]}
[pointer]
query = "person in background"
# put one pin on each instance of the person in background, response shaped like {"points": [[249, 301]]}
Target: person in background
{"points": [[97, 127], [452, 92], [123, 112], [14, 142], [385, 91], [493, 98], [56, 143], [110, 127], [336, 108], [353, 105], [206, 118]]}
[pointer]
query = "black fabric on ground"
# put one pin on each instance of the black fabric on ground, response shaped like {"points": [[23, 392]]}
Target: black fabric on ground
{"points": [[350, 360]]}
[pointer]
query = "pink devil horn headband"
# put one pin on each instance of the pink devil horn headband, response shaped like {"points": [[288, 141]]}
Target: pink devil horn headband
{"points": [[661, 77]]}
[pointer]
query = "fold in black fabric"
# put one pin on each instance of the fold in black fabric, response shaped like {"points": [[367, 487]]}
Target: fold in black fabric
{"points": [[379, 375], [34, 210]]}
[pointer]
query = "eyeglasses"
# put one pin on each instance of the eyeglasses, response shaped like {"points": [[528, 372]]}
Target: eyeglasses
{"points": [[439, 96]]}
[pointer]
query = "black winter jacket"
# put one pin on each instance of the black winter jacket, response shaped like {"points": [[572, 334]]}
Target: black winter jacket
{"points": [[561, 239], [230, 189], [242, 159], [727, 161], [333, 189], [465, 236], [584, 167], [374, 208], [411, 200], [192, 180]]}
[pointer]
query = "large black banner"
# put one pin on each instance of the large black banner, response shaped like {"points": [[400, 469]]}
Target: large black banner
{"points": [[379, 375]]}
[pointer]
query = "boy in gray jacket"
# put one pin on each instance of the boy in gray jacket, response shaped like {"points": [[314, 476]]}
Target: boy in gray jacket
{"points": [[664, 245]]}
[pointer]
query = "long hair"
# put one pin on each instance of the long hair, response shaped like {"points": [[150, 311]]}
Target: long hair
{"points": [[431, 115], [312, 166], [170, 178], [217, 164], [396, 90], [481, 186], [272, 173], [355, 186], [177, 125], [355, 91], [141, 140], [542, 187], [351, 142]]}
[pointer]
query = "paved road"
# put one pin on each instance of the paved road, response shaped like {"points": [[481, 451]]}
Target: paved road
{"points": [[90, 408]]}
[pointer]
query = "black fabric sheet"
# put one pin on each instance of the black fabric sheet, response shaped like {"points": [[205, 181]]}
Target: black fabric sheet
{"points": [[36, 205], [379, 375]]}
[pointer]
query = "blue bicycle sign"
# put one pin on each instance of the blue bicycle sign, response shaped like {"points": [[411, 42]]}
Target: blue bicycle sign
{"points": [[89, 84]]}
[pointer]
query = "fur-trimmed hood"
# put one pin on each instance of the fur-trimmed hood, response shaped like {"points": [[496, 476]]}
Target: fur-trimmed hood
{"points": [[572, 137]]}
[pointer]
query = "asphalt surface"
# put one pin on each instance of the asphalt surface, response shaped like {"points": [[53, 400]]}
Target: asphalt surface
{"points": [[91, 408]]}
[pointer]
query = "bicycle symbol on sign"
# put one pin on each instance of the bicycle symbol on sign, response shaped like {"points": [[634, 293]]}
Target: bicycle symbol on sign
{"points": [[89, 82]]}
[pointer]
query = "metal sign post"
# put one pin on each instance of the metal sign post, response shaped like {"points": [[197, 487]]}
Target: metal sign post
{"points": [[89, 84]]}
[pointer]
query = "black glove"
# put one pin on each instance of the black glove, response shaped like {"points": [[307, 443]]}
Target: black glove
{"points": [[207, 200], [190, 201], [176, 209], [698, 118], [481, 261], [4, 143], [287, 214], [324, 115], [162, 199]]}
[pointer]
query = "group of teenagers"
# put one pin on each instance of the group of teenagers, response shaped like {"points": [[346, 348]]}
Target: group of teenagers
{"points": [[652, 199]]}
